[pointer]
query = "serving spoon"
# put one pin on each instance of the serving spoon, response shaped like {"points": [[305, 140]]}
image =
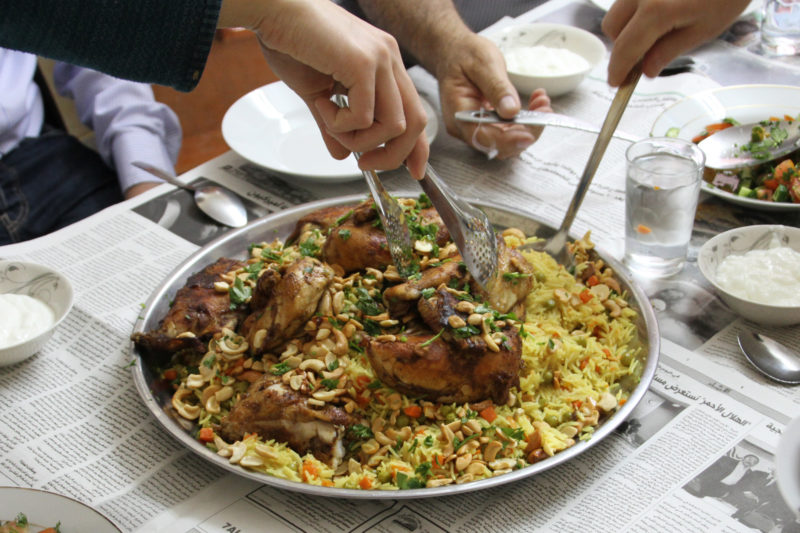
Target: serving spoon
{"points": [[217, 202], [770, 357], [726, 149]]}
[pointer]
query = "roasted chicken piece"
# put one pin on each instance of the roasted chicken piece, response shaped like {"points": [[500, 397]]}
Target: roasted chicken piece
{"points": [[400, 298], [438, 371], [512, 283], [273, 410], [355, 240], [198, 309], [286, 302]]}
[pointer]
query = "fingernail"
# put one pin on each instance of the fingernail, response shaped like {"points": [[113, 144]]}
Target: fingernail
{"points": [[507, 105], [523, 145]]}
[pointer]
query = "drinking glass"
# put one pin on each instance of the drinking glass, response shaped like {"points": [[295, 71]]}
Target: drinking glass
{"points": [[662, 184], [780, 27]]}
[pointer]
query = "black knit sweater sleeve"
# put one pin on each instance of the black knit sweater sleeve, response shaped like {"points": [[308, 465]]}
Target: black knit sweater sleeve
{"points": [[155, 41]]}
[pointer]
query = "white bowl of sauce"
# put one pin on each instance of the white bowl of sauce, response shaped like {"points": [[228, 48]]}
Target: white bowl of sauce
{"points": [[756, 271], [34, 300], [555, 57]]}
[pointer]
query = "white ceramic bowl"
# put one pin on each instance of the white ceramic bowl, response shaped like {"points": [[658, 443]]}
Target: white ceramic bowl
{"points": [[576, 40], [42, 283], [739, 241]]}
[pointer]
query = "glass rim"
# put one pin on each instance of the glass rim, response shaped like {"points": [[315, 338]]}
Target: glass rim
{"points": [[697, 156]]}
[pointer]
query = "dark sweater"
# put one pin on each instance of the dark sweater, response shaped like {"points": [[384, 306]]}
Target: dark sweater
{"points": [[155, 41]]}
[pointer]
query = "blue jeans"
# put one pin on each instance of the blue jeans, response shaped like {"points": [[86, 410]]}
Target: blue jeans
{"points": [[49, 182]]}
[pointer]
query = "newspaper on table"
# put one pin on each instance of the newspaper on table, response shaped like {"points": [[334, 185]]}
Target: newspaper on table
{"points": [[73, 423]]}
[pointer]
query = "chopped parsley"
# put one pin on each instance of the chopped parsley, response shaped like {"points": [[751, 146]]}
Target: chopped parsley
{"points": [[330, 384], [428, 441], [333, 365], [427, 293], [341, 219], [405, 482], [309, 248], [430, 341], [513, 433], [344, 234], [361, 431], [239, 293], [366, 304], [280, 369]]}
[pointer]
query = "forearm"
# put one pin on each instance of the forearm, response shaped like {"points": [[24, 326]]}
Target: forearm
{"points": [[144, 40], [424, 28]]}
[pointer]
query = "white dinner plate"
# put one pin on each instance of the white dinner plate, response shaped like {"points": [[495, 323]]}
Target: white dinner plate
{"points": [[46, 509], [745, 103], [272, 127], [753, 6], [787, 465]]}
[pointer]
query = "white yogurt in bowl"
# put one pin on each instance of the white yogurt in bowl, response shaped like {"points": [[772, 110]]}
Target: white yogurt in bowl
{"points": [[544, 61], [778, 275], [756, 271], [22, 317]]}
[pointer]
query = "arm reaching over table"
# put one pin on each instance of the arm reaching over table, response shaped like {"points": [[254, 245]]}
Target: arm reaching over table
{"points": [[313, 45], [658, 31], [469, 68]]}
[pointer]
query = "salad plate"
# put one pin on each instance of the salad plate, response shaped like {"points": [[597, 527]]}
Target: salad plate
{"points": [[744, 103], [272, 127], [46, 509]]}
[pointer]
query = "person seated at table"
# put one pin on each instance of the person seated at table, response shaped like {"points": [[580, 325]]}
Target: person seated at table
{"points": [[656, 31], [469, 69], [48, 178]]}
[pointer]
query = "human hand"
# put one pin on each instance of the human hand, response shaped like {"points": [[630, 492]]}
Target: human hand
{"points": [[315, 46], [139, 188], [472, 75], [658, 31]]}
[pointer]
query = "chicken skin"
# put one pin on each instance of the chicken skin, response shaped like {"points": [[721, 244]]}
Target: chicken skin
{"points": [[512, 283], [198, 309], [273, 410], [437, 371], [287, 301]]}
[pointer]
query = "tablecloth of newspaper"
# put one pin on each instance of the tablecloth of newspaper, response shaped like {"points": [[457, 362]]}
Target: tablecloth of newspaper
{"points": [[72, 421]]}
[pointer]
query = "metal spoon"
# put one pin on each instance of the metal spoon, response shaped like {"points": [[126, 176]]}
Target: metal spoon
{"points": [[217, 202], [724, 151], [770, 357], [556, 245]]}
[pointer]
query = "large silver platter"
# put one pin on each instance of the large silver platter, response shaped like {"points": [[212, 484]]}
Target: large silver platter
{"points": [[157, 397]]}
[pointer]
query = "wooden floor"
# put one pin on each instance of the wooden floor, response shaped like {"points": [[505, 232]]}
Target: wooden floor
{"points": [[235, 67]]}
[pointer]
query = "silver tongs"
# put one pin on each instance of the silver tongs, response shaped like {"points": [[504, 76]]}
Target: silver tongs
{"points": [[469, 227], [398, 236]]}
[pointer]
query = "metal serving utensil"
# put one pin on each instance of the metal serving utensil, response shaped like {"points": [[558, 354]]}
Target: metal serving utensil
{"points": [[724, 150], [391, 214], [469, 227], [556, 246], [535, 118], [215, 201]]}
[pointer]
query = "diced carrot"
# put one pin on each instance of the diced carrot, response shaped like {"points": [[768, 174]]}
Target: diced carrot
{"points": [[585, 295], [489, 414], [365, 483], [362, 400], [592, 281], [718, 126], [49, 530], [622, 401], [170, 374], [327, 483], [414, 411], [362, 382], [310, 470], [644, 230], [607, 352], [205, 435], [783, 170], [250, 376], [584, 363], [576, 404], [774, 119], [788, 118]]}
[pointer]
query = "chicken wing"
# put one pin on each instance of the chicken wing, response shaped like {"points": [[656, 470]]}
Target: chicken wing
{"points": [[512, 283], [198, 309], [286, 303], [273, 410]]}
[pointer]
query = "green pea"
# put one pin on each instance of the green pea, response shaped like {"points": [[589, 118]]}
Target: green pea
{"points": [[553, 420], [403, 421], [626, 359], [547, 376]]}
